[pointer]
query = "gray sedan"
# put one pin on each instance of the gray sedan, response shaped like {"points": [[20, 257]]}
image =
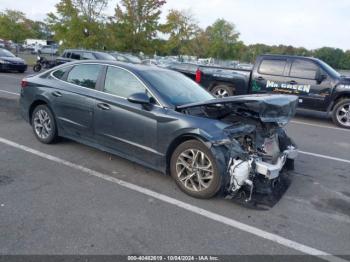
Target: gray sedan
{"points": [[161, 119]]}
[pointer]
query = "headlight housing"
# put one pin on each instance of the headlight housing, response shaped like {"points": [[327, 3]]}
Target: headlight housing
{"points": [[4, 61]]}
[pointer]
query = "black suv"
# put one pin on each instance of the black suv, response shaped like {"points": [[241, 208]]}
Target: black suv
{"points": [[318, 86], [70, 55]]}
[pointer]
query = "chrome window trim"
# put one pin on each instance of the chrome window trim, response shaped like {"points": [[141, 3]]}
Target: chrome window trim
{"points": [[92, 63]]}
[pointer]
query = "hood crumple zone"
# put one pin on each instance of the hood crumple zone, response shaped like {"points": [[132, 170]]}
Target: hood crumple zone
{"points": [[268, 108]]}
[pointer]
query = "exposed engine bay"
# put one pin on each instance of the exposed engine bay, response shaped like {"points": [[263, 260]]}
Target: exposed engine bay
{"points": [[258, 168], [257, 150]]}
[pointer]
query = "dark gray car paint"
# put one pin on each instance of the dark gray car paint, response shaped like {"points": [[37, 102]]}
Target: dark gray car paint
{"points": [[146, 136]]}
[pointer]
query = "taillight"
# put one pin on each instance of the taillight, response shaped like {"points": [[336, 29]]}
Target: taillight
{"points": [[198, 75], [24, 83]]}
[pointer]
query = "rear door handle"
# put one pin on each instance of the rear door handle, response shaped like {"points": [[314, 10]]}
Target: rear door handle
{"points": [[293, 82], [260, 78], [57, 94], [103, 106]]}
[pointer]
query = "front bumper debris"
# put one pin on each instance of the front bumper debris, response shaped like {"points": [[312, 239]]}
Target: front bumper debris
{"points": [[271, 171], [256, 175]]}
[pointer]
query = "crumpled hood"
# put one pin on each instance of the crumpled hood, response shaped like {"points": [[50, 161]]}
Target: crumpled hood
{"points": [[15, 60], [268, 108]]}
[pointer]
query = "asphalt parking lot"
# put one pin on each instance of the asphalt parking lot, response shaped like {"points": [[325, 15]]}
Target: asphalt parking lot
{"points": [[68, 198]]}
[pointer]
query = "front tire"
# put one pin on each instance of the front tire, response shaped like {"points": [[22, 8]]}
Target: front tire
{"points": [[221, 91], [44, 124], [195, 170], [289, 165], [341, 113], [36, 68]]}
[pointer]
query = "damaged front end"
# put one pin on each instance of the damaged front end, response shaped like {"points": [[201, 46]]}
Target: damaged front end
{"points": [[258, 172], [257, 150]]}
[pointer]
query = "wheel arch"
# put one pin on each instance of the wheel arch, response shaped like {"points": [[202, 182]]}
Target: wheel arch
{"points": [[334, 109], [219, 83], [239, 84], [178, 141], [338, 98], [217, 151], [37, 102], [337, 95]]}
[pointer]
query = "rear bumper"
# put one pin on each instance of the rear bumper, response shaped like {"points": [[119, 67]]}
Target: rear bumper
{"points": [[24, 107]]}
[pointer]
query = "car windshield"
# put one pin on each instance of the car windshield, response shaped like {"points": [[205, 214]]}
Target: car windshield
{"points": [[5, 53], [176, 88], [104, 56], [330, 69]]}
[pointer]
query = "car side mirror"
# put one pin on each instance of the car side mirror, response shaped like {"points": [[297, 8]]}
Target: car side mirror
{"points": [[139, 98], [320, 77]]}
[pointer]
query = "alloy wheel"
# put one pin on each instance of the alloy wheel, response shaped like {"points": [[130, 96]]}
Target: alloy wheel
{"points": [[42, 124], [219, 93], [194, 170], [343, 115]]}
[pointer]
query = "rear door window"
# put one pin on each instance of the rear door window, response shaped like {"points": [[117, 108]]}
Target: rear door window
{"points": [[303, 69], [84, 75], [272, 67]]}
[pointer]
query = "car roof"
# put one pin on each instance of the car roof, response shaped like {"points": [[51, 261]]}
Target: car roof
{"points": [[84, 50], [289, 56], [135, 68]]}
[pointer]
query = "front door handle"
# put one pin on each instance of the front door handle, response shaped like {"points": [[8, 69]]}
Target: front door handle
{"points": [[57, 94], [260, 78], [103, 106], [293, 82]]}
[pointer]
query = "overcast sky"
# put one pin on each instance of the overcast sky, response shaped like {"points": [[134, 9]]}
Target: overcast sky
{"points": [[308, 23]]}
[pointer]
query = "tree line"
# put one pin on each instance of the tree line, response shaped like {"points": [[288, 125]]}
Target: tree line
{"points": [[135, 27]]}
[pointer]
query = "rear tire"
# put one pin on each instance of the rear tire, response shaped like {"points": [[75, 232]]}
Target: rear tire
{"points": [[341, 113], [195, 170], [44, 124], [221, 91]]}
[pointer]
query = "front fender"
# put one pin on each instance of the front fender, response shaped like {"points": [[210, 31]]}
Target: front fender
{"points": [[340, 90]]}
